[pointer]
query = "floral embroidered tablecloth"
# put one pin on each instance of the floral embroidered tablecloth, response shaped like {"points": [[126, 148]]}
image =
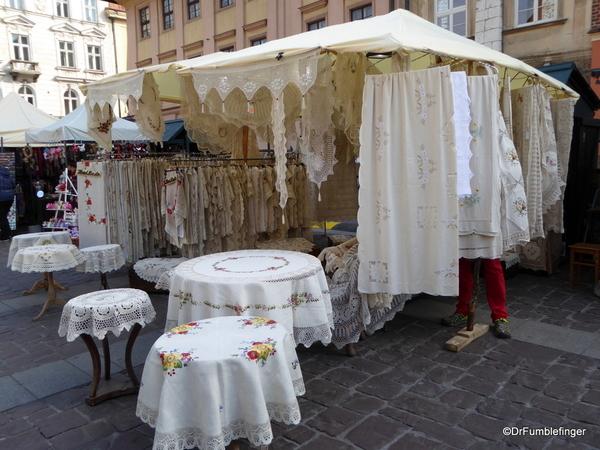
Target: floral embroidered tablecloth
{"points": [[209, 382], [47, 258], [289, 287], [21, 241]]}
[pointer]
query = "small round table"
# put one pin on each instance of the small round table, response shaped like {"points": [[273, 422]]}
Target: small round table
{"points": [[31, 239], [212, 381], [102, 258], [97, 313], [47, 259]]}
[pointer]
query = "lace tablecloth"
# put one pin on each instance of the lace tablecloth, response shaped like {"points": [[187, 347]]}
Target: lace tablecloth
{"points": [[99, 312], [289, 287], [102, 258], [151, 269], [30, 239], [209, 382], [47, 258]]}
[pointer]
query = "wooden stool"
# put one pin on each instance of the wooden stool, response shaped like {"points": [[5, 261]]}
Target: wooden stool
{"points": [[584, 254]]}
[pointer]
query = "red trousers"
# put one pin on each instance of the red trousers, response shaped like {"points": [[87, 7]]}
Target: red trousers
{"points": [[495, 288]]}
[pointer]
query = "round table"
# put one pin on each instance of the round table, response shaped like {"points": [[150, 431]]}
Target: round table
{"points": [[212, 381], [47, 259], [102, 258], [288, 287], [97, 313], [31, 239]]}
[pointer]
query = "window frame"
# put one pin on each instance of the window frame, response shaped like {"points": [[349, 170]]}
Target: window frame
{"points": [[91, 11], [168, 14], [316, 22], [226, 3], [62, 8], [16, 4], [258, 41], [451, 12], [21, 48], [535, 9], [362, 9], [29, 94], [193, 7], [144, 22], [228, 49], [70, 102], [66, 54], [95, 57]]}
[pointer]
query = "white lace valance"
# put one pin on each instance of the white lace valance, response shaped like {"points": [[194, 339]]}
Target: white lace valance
{"points": [[110, 93]]}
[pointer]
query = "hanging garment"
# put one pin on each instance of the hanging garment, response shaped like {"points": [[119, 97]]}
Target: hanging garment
{"points": [[408, 203], [462, 122], [92, 210]]}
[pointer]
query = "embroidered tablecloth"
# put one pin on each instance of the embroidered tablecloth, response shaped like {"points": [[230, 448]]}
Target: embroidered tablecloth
{"points": [[30, 239], [209, 382], [47, 258], [99, 312], [102, 258], [289, 287], [151, 269]]}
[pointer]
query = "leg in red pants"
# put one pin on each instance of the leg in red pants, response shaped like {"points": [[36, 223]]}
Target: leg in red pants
{"points": [[494, 287]]}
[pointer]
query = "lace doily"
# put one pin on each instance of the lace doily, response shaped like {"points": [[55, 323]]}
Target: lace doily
{"points": [[151, 269], [164, 281], [102, 258], [47, 258], [99, 312]]}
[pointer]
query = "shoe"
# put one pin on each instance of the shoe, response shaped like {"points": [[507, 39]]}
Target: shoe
{"points": [[454, 320], [502, 329]]}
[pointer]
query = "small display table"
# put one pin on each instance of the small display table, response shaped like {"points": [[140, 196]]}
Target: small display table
{"points": [[97, 313], [47, 259], [21, 241], [209, 382], [102, 258]]}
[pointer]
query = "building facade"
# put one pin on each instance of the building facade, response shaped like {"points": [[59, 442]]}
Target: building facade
{"points": [[49, 48]]}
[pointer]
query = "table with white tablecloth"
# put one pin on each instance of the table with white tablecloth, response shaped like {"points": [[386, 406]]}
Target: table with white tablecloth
{"points": [[102, 258], [21, 241], [288, 287], [212, 381]]}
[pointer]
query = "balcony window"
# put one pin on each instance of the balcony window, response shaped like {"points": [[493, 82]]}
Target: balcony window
{"points": [[316, 25], [258, 41], [168, 17], [62, 8], [27, 94], [361, 13], [452, 15], [67, 54], [71, 101], [21, 47], [94, 57], [228, 49], [193, 9], [535, 11], [145, 22], [91, 11]]}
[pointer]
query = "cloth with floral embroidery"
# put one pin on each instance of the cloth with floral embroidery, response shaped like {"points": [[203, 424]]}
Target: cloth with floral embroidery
{"points": [[244, 371], [288, 287], [94, 315], [30, 239], [47, 259]]}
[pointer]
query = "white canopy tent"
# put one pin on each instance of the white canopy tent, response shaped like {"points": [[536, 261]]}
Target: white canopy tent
{"points": [[73, 127], [18, 117]]}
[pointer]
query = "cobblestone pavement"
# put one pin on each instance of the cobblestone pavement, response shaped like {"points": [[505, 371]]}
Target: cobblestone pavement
{"points": [[401, 391]]}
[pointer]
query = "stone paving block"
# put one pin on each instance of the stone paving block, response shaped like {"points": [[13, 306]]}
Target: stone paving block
{"points": [[483, 426], [585, 413], [400, 415], [566, 444], [592, 397], [414, 442], [564, 391], [325, 392], [453, 436], [568, 374], [477, 385], [427, 389], [13, 394], [30, 440], [443, 375], [365, 365], [530, 380], [531, 351], [300, 434], [15, 426], [321, 442], [417, 365], [516, 393], [431, 409], [380, 386], [460, 398], [549, 404], [363, 404], [335, 420], [490, 374], [376, 432], [503, 358], [124, 419], [346, 376], [543, 418], [81, 437], [59, 423], [51, 378], [527, 438], [130, 440], [386, 356], [500, 409]]}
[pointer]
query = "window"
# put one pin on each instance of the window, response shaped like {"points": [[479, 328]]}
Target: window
{"points": [[316, 25], [258, 41], [193, 9], [534, 11], [228, 49], [361, 13], [21, 47], [168, 17], [145, 21], [452, 15], [16, 4], [62, 8], [94, 57], [27, 94], [67, 54], [225, 3], [71, 101], [91, 11]]}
